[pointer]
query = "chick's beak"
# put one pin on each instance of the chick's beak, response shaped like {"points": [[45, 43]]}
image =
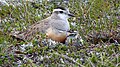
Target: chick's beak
{"points": [[71, 15]]}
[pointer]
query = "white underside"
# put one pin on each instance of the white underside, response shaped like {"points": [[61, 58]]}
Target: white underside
{"points": [[65, 18], [67, 25]]}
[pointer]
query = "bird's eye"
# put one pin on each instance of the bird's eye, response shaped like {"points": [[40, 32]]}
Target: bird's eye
{"points": [[61, 11]]}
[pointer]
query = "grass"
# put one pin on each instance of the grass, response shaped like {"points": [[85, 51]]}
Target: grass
{"points": [[97, 22]]}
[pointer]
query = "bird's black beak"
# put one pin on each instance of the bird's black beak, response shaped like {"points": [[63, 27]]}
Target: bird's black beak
{"points": [[71, 15]]}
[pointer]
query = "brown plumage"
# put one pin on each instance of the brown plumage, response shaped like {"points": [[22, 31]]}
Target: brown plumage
{"points": [[56, 35], [55, 27]]}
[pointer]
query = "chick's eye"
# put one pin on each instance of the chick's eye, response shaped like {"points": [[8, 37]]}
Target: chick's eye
{"points": [[61, 11]]}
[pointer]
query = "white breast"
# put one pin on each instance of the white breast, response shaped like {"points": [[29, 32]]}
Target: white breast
{"points": [[67, 25], [64, 18]]}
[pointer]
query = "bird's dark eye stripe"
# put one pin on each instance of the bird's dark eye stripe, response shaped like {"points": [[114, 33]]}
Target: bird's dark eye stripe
{"points": [[61, 11]]}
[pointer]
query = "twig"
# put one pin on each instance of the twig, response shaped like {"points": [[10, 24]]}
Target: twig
{"points": [[91, 63], [117, 65], [69, 58]]}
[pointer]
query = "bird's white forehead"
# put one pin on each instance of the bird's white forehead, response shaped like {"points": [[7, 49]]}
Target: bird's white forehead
{"points": [[58, 10], [67, 10]]}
